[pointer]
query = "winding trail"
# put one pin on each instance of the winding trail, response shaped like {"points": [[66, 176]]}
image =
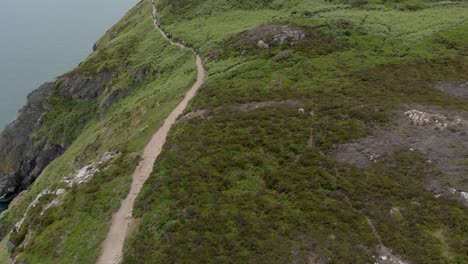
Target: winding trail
{"points": [[112, 247]]}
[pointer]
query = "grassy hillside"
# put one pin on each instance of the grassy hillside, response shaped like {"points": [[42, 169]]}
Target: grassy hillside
{"points": [[254, 171], [73, 231]]}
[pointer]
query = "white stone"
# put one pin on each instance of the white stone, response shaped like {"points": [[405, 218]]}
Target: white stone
{"points": [[262, 44], [81, 176], [418, 118], [52, 204], [461, 194], [60, 191], [86, 173], [31, 205], [464, 195]]}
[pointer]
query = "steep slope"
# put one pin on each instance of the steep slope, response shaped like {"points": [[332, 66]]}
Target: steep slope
{"points": [[76, 195], [327, 132], [122, 219], [36, 137]]}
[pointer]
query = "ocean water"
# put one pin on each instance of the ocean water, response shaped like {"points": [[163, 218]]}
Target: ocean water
{"points": [[40, 40], [3, 206]]}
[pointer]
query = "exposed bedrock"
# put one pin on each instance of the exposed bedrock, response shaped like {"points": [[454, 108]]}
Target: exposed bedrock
{"points": [[21, 159]]}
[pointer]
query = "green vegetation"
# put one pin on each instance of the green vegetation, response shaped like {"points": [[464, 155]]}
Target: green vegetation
{"points": [[262, 186], [257, 185], [73, 231], [63, 120]]}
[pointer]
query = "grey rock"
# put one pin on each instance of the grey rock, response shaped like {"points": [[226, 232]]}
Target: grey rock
{"points": [[140, 74], [17, 153], [84, 88], [21, 159], [114, 96], [276, 35], [262, 44]]}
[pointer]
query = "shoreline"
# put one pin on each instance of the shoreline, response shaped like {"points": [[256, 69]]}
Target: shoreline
{"points": [[16, 88]]}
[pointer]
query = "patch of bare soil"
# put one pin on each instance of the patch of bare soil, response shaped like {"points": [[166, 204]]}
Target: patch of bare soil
{"points": [[203, 114], [279, 33], [440, 135], [247, 107], [459, 89], [387, 257]]}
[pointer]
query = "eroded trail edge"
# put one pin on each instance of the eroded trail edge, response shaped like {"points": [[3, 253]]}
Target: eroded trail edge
{"points": [[112, 247]]}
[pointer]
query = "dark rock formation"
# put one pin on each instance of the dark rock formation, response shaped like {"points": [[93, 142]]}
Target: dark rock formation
{"points": [[111, 98], [21, 159], [140, 74], [17, 153], [84, 88]]}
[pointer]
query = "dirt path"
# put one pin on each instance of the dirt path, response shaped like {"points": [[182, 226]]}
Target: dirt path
{"points": [[112, 246], [158, 26]]}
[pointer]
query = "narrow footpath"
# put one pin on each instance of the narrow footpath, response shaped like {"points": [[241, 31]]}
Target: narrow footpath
{"points": [[112, 247]]}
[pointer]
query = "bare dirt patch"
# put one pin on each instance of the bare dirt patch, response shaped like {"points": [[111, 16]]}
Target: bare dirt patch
{"points": [[247, 107], [459, 89], [442, 136], [278, 33], [203, 114]]}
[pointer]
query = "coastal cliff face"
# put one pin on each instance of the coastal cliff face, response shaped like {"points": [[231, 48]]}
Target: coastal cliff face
{"points": [[79, 137], [18, 155], [326, 132], [24, 150]]}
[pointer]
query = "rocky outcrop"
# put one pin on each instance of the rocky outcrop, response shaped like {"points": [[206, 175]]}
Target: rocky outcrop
{"points": [[141, 73], [437, 134], [112, 98], [21, 159], [262, 44], [271, 35], [83, 87], [87, 173], [278, 33], [51, 198], [387, 257], [419, 118]]}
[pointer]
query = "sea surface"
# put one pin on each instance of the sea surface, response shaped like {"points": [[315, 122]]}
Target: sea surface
{"points": [[40, 40], [3, 206]]}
